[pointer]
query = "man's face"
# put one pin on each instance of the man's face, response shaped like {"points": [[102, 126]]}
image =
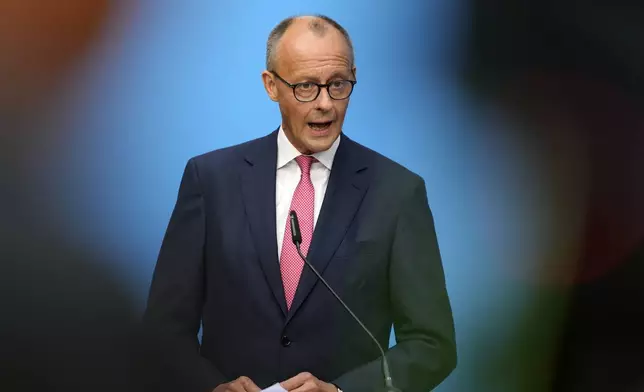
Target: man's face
{"points": [[303, 56]]}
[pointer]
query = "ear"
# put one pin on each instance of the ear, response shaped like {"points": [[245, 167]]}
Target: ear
{"points": [[354, 70], [270, 85]]}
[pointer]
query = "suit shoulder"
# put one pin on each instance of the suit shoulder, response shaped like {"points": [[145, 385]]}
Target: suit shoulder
{"points": [[386, 167], [225, 156]]}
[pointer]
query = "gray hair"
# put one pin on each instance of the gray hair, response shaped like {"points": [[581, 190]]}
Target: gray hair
{"points": [[318, 25]]}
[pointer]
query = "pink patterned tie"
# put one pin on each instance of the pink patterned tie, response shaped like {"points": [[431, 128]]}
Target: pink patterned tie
{"points": [[302, 203]]}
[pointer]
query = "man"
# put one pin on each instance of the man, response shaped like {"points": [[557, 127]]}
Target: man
{"points": [[228, 263]]}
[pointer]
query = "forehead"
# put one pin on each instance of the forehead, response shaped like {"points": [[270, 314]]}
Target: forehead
{"points": [[302, 51]]}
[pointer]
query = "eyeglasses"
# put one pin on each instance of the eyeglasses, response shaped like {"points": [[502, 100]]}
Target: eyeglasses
{"points": [[309, 91]]}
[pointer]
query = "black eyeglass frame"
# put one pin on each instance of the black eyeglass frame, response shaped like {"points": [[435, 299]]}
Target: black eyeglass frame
{"points": [[320, 87]]}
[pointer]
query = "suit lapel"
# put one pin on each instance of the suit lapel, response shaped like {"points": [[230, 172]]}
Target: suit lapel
{"points": [[258, 192], [348, 183]]}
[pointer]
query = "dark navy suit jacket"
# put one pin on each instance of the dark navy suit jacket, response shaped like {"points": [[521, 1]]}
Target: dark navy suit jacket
{"points": [[218, 269]]}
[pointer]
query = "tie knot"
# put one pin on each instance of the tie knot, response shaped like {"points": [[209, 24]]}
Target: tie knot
{"points": [[305, 162]]}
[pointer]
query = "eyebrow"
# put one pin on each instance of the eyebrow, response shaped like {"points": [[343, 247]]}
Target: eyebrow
{"points": [[336, 74]]}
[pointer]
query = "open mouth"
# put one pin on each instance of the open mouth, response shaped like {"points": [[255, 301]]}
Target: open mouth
{"points": [[320, 126]]}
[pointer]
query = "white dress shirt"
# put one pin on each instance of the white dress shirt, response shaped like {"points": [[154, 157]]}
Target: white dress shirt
{"points": [[288, 176]]}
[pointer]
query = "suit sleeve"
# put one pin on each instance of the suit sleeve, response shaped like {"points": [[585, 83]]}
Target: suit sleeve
{"points": [[173, 315], [425, 353]]}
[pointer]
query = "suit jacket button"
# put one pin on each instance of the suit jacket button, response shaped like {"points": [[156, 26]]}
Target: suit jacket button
{"points": [[286, 341]]}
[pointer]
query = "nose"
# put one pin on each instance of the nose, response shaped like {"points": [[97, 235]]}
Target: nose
{"points": [[324, 101]]}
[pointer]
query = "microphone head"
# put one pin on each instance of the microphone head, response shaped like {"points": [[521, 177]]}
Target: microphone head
{"points": [[295, 228]]}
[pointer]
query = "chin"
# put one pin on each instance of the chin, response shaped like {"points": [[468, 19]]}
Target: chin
{"points": [[321, 143]]}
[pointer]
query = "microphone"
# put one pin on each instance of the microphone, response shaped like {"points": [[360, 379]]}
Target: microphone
{"points": [[297, 240]]}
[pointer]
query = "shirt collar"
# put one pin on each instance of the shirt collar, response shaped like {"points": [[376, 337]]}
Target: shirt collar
{"points": [[286, 152]]}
